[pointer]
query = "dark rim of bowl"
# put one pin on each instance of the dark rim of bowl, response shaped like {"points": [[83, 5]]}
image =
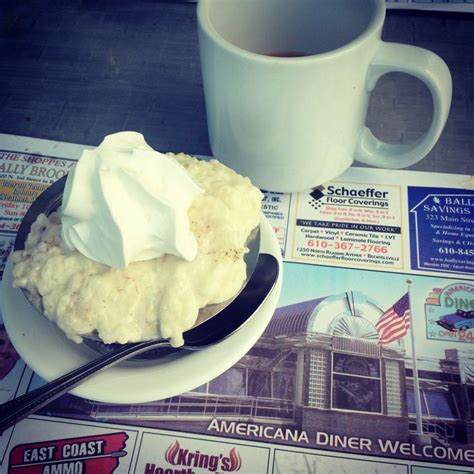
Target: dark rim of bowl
{"points": [[47, 202]]}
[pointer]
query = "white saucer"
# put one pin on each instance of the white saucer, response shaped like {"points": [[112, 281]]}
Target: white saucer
{"points": [[50, 354]]}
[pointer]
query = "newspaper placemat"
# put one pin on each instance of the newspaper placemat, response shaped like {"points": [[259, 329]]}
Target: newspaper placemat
{"points": [[367, 365]]}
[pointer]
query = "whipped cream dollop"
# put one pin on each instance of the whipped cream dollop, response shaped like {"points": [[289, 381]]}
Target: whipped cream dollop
{"points": [[125, 202]]}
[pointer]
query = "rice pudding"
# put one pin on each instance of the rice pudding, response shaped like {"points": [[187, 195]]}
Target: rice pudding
{"points": [[154, 298]]}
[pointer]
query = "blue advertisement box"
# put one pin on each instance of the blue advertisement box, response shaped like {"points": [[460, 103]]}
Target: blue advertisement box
{"points": [[441, 229]]}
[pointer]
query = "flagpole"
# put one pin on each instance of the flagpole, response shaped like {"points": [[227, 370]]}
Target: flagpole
{"points": [[416, 382]]}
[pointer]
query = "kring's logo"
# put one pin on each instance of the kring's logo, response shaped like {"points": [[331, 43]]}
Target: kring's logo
{"points": [[178, 456]]}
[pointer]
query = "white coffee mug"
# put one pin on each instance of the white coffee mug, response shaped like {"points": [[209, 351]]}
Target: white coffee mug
{"points": [[287, 85]]}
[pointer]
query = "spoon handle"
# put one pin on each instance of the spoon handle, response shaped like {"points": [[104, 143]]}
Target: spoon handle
{"points": [[15, 410]]}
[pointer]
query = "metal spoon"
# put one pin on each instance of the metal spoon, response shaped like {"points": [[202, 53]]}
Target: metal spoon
{"points": [[210, 332]]}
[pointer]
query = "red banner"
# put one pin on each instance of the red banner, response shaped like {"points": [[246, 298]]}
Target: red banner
{"points": [[89, 454]]}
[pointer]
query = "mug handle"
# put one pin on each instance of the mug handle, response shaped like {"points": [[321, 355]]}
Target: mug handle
{"points": [[433, 71]]}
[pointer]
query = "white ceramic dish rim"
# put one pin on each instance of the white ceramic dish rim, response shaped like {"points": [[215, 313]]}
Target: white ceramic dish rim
{"points": [[50, 354]]}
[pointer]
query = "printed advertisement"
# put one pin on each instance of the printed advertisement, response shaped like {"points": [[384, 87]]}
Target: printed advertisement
{"points": [[441, 222], [41, 447], [365, 366], [355, 222]]}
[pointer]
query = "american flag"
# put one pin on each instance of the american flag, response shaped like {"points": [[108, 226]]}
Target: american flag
{"points": [[395, 322]]}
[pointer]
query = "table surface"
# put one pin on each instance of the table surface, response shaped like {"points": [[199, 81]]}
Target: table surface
{"points": [[76, 71]]}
